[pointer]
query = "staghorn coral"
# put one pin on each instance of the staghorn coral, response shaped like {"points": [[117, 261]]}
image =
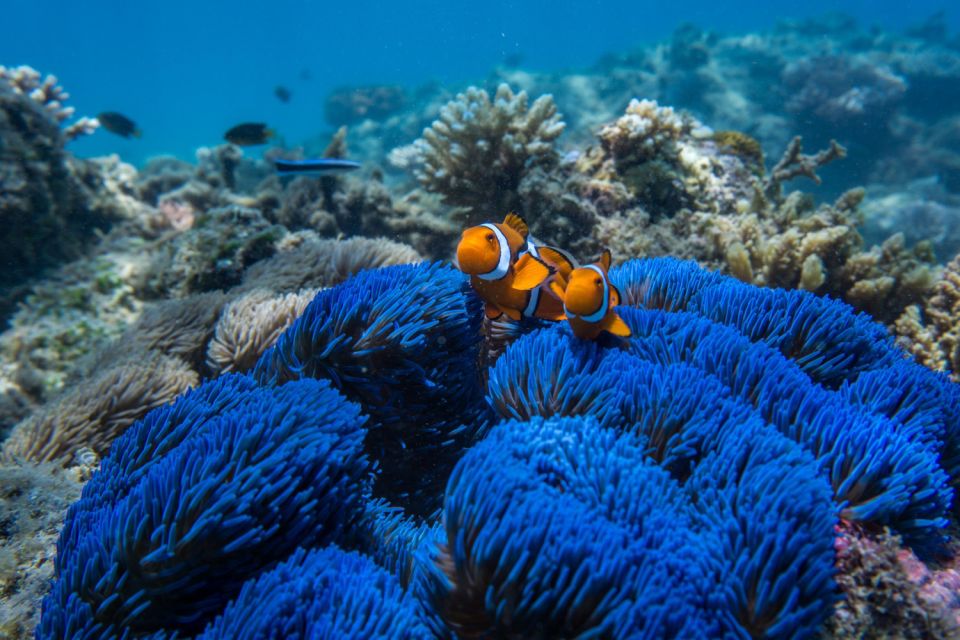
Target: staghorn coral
{"points": [[250, 324], [95, 412], [293, 473], [478, 151], [931, 331], [50, 95]]}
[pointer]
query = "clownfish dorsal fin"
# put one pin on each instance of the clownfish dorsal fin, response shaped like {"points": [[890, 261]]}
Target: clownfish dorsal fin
{"points": [[529, 272], [564, 261], [605, 260], [518, 224], [615, 325]]}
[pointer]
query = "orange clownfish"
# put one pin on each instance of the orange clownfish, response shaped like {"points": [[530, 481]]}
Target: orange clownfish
{"points": [[502, 269], [589, 300]]}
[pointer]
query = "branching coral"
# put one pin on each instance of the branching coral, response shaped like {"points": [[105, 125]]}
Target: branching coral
{"points": [[230, 496], [931, 332], [479, 150], [50, 95]]}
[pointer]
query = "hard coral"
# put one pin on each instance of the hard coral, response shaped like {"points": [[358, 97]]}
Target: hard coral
{"points": [[478, 151], [350, 105], [931, 332]]}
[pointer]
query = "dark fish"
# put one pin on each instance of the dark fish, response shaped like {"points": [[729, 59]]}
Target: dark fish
{"points": [[283, 94], [248, 134], [119, 124], [315, 165]]}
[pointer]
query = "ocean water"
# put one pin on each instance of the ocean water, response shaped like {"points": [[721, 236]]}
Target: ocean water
{"points": [[727, 391], [187, 71]]}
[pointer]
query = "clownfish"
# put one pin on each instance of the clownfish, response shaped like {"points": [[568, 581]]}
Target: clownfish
{"points": [[589, 300], [502, 269]]}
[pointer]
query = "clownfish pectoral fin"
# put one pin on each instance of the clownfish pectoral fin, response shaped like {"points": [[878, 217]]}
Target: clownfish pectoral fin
{"points": [[492, 311], [564, 261], [615, 325], [529, 273], [518, 224], [605, 260], [513, 314]]}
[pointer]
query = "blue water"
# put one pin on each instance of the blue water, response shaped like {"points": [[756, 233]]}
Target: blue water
{"points": [[187, 71]]}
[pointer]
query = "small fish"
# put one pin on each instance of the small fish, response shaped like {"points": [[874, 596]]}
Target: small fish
{"points": [[543, 303], [501, 271], [283, 94], [119, 124], [314, 165], [249, 134], [589, 300]]}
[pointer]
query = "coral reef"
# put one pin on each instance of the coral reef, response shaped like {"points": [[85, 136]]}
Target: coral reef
{"points": [[931, 331], [350, 105], [477, 153], [33, 501], [881, 597]]}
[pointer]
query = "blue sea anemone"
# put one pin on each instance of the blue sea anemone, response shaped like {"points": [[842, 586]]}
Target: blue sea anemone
{"points": [[323, 594], [282, 468], [880, 476], [560, 528], [403, 342], [761, 498]]}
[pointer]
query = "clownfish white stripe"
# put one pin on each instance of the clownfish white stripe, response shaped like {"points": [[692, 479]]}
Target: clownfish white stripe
{"points": [[503, 265], [532, 246], [531, 307], [597, 315]]}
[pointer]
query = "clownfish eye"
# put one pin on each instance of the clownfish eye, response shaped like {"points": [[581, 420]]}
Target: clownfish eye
{"points": [[598, 282], [491, 238]]}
